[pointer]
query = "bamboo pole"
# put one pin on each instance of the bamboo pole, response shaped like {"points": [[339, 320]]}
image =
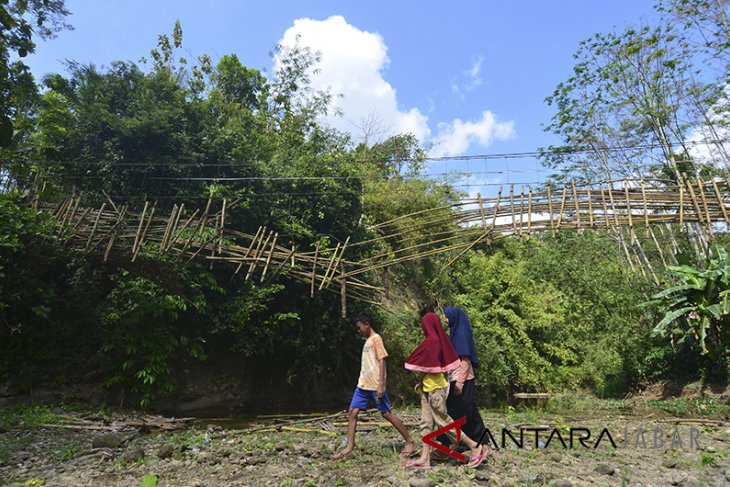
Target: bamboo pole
{"points": [[250, 248], [529, 212], [120, 221], [481, 211], [96, 224], [700, 186], [268, 259], [257, 255], [139, 227], [314, 268], [562, 206], [720, 202], [643, 199], [144, 232], [590, 205], [550, 208], [324, 278], [577, 209]]}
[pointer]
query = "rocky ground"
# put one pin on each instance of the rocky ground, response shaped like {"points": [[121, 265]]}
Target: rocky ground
{"points": [[209, 454]]}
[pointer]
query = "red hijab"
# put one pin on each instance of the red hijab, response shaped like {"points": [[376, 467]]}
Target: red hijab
{"points": [[436, 353]]}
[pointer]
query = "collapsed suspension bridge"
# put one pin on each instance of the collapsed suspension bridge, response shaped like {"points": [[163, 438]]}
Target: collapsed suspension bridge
{"points": [[454, 229]]}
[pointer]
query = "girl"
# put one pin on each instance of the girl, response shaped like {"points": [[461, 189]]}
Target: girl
{"points": [[434, 356], [462, 393]]}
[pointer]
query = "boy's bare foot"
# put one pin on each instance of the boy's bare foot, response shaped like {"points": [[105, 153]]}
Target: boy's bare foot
{"points": [[342, 453], [408, 451]]}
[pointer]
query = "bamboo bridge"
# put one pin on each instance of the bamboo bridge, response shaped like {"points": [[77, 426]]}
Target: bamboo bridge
{"points": [[202, 234]]}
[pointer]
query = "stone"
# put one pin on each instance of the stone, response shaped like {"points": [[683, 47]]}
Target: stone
{"points": [[689, 482], [108, 440], [280, 447], [556, 457], [670, 463], [563, 483], [133, 455], [604, 469], [165, 451], [23, 456], [482, 476], [710, 449], [421, 483]]}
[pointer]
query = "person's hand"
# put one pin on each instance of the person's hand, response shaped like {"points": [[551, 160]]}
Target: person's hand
{"points": [[417, 386], [457, 391], [381, 391]]}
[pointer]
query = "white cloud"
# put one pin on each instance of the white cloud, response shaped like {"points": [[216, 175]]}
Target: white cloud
{"points": [[455, 138], [352, 64], [352, 61], [469, 80]]}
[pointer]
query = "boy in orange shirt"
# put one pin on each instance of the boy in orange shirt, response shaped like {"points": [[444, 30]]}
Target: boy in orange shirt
{"points": [[371, 385]]}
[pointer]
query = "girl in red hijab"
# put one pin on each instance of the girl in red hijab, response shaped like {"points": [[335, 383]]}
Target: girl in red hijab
{"points": [[434, 356]]}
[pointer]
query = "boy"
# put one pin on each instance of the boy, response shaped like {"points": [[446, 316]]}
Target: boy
{"points": [[371, 385]]}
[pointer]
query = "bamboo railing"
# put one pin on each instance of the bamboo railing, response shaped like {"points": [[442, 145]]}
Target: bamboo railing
{"points": [[454, 229]]}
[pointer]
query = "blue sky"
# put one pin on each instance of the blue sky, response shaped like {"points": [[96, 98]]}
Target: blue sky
{"points": [[468, 77]]}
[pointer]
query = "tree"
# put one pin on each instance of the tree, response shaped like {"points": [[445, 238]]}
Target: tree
{"points": [[21, 20]]}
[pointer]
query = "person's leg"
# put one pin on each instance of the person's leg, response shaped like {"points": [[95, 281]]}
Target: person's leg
{"points": [[427, 426], [359, 401], [441, 418], [384, 408], [474, 426]]}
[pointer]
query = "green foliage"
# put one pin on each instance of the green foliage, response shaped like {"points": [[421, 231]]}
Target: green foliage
{"points": [[27, 417], [148, 481], [697, 306]]}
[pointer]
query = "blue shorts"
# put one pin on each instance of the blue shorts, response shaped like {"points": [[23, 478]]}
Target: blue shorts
{"points": [[361, 400]]}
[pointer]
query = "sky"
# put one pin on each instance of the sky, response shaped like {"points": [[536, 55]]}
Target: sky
{"points": [[468, 78]]}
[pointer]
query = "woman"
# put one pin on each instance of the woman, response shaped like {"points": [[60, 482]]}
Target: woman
{"points": [[434, 356], [462, 394]]}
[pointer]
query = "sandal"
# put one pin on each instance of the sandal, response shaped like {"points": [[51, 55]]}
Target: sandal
{"points": [[479, 458]]}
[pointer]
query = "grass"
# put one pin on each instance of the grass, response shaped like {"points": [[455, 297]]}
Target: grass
{"points": [[27, 417], [69, 452]]}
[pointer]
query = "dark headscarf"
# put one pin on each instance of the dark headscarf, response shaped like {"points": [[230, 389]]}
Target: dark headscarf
{"points": [[435, 354], [461, 334]]}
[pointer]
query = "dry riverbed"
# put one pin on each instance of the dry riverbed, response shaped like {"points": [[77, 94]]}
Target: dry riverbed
{"points": [[32, 454]]}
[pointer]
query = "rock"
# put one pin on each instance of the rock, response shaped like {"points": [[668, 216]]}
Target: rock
{"points": [[421, 483], [556, 457], [165, 451], [604, 469], [710, 449], [563, 483], [23, 456], [482, 476], [688, 482], [280, 447], [133, 455], [108, 440], [670, 463]]}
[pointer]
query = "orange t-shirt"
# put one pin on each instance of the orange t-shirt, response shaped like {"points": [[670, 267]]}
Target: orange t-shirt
{"points": [[372, 352]]}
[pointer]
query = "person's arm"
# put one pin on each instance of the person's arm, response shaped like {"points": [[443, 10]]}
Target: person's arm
{"points": [[381, 379], [419, 376], [461, 374]]}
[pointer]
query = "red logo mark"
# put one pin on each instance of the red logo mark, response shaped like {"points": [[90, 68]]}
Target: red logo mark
{"points": [[429, 439]]}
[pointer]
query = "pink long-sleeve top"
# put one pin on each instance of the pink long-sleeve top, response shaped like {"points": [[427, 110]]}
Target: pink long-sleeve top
{"points": [[462, 374]]}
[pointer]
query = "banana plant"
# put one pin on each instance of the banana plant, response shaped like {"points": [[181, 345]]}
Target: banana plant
{"points": [[697, 309]]}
